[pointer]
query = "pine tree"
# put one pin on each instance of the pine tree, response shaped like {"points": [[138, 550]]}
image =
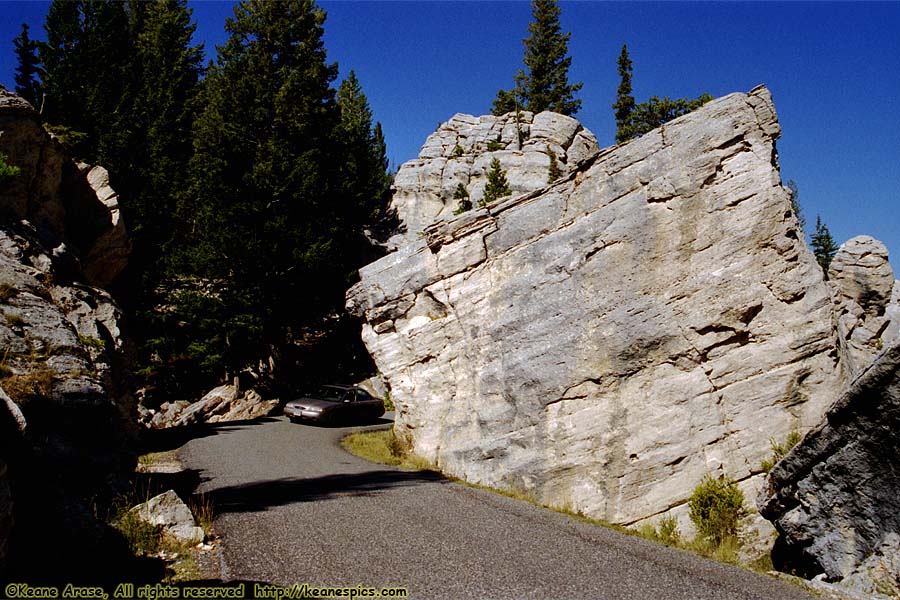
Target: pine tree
{"points": [[544, 85], [165, 75], [461, 195], [497, 185], [267, 203], [152, 169], [624, 106], [27, 85], [794, 192], [823, 245], [86, 75], [364, 156], [505, 102], [647, 116]]}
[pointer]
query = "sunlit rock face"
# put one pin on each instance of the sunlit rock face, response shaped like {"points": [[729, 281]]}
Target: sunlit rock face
{"points": [[461, 151], [605, 341], [865, 300]]}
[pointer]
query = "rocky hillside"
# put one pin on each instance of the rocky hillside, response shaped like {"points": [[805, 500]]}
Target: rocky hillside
{"points": [[460, 152], [66, 416], [603, 342]]}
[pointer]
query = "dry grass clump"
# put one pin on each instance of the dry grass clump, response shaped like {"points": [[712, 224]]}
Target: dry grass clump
{"points": [[24, 388], [384, 446]]}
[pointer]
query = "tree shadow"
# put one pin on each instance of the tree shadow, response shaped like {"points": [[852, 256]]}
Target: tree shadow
{"points": [[260, 496], [172, 438]]}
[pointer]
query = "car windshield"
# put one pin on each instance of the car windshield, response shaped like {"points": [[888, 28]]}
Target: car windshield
{"points": [[329, 393]]}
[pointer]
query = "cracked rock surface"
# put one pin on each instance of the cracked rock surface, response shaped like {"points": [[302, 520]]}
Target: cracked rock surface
{"points": [[604, 341]]}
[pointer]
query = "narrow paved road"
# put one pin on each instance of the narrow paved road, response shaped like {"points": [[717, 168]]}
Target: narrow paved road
{"points": [[296, 508]]}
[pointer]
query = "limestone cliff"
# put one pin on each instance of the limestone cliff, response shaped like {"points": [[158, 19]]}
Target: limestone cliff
{"points": [[66, 416], [604, 341]]}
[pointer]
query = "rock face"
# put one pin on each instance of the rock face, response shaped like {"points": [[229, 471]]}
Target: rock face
{"points": [[169, 512], [458, 153], [71, 206], [865, 299], [64, 355], [222, 404], [834, 496], [604, 342]]}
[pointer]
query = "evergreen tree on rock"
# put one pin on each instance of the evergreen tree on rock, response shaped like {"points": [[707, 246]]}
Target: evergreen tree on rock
{"points": [[497, 185], [27, 85], [544, 85], [624, 106], [823, 245]]}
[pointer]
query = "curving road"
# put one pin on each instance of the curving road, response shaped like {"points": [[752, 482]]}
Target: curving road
{"points": [[294, 507]]}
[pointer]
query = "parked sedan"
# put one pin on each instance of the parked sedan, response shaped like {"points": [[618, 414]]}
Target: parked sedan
{"points": [[334, 403]]}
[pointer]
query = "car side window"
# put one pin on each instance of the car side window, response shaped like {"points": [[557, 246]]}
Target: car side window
{"points": [[362, 396], [348, 396]]}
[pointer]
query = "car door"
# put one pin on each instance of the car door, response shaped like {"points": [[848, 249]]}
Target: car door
{"points": [[371, 408]]}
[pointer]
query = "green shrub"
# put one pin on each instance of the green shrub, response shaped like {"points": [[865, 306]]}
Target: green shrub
{"points": [[717, 509], [665, 532], [458, 150], [779, 451], [7, 171], [494, 145], [92, 342]]}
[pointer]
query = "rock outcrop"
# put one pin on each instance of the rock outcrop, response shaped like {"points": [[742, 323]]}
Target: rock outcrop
{"points": [[458, 153], [865, 299], [834, 496], [72, 207], [173, 516], [605, 341], [64, 360], [222, 404]]}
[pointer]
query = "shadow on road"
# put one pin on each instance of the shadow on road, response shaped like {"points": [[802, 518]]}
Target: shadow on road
{"points": [[255, 497], [160, 440]]}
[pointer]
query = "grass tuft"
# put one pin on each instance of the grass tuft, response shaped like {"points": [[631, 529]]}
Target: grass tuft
{"points": [[7, 291], [204, 512], [385, 447], [14, 320], [30, 386], [779, 451]]}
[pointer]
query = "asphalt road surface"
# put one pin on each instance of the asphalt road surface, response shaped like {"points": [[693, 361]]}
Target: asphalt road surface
{"points": [[295, 508]]}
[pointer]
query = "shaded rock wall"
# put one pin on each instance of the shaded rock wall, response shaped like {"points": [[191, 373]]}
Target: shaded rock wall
{"points": [[64, 356], [604, 342], [834, 496]]}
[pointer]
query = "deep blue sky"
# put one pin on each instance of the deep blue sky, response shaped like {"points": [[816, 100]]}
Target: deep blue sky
{"points": [[833, 69]]}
